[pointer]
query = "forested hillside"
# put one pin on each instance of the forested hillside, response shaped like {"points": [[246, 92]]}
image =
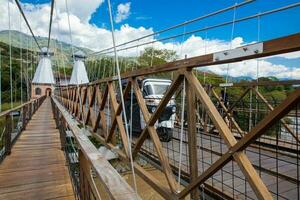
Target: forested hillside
{"points": [[21, 58]]}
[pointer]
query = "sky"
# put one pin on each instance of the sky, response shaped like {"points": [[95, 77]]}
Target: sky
{"points": [[90, 27]]}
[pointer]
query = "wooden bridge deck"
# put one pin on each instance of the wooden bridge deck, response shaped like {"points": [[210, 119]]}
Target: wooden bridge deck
{"points": [[36, 168]]}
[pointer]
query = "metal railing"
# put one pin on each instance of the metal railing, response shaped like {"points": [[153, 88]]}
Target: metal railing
{"points": [[92, 175], [215, 157]]}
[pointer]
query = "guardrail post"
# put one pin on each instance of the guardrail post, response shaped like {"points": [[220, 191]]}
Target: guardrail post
{"points": [[24, 110], [192, 138], [62, 136], [82, 178], [8, 134], [30, 111], [57, 120], [34, 106]]}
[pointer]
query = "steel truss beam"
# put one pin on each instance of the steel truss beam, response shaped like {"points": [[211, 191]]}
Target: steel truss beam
{"points": [[93, 93]]}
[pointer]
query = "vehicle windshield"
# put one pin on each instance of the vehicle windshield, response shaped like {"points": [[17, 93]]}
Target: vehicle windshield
{"points": [[155, 89]]}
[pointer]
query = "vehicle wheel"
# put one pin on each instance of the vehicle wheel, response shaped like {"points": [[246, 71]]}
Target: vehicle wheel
{"points": [[165, 134]]}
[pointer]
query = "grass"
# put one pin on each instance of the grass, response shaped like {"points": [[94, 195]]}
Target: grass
{"points": [[6, 106]]}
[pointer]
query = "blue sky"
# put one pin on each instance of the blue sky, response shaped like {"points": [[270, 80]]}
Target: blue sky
{"points": [[91, 28], [163, 13]]}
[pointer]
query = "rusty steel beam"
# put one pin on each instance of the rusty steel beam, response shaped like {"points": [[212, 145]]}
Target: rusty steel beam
{"points": [[285, 44], [257, 185], [280, 111]]}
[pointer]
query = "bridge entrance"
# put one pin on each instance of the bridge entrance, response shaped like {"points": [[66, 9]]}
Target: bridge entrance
{"points": [[48, 92]]}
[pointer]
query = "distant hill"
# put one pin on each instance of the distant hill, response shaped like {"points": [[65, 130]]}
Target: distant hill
{"points": [[20, 39], [62, 49], [240, 78]]}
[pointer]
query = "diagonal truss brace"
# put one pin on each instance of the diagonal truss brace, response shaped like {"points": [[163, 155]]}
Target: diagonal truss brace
{"points": [[242, 160]]}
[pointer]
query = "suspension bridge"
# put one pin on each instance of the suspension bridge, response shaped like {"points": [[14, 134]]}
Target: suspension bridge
{"points": [[161, 131]]}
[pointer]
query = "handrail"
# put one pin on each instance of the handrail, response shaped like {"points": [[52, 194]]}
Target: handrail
{"points": [[89, 104], [20, 106], [276, 46], [89, 157], [27, 110]]}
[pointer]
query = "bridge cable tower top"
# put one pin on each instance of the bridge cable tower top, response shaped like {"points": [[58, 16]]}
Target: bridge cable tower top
{"points": [[44, 73], [79, 74]]}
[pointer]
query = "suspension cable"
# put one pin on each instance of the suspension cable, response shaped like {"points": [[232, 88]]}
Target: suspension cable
{"points": [[27, 23], [61, 49], [70, 31], [50, 25], [181, 133], [10, 56], [31, 63], [182, 117], [121, 93], [205, 51], [27, 73], [0, 81], [73, 56], [231, 38], [258, 40], [21, 61], [211, 27], [58, 63], [179, 25]]}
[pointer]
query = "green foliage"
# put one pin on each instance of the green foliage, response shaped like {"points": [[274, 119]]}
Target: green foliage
{"points": [[17, 60], [105, 67], [153, 57], [95, 141]]}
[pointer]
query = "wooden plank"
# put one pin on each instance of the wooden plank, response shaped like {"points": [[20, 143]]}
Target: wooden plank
{"points": [[150, 120], [91, 93], [160, 188], [118, 110], [114, 184], [192, 137], [118, 117], [154, 136], [36, 168], [280, 111], [86, 171], [248, 170], [101, 115]]}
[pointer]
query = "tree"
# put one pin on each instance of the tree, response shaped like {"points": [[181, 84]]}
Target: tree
{"points": [[152, 57]]}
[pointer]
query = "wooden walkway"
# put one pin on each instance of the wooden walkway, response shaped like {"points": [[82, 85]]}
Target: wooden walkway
{"points": [[36, 168]]}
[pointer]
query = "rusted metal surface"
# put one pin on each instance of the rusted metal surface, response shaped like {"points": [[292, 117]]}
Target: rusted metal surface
{"points": [[95, 99]]}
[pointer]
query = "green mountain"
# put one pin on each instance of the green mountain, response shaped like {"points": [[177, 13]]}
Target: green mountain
{"points": [[23, 40], [18, 82], [62, 50]]}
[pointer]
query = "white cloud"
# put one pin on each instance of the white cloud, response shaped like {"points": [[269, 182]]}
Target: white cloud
{"points": [[195, 46], [84, 34], [123, 12], [83, 9], [90, 36], [249, 68], [293, 55]]}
